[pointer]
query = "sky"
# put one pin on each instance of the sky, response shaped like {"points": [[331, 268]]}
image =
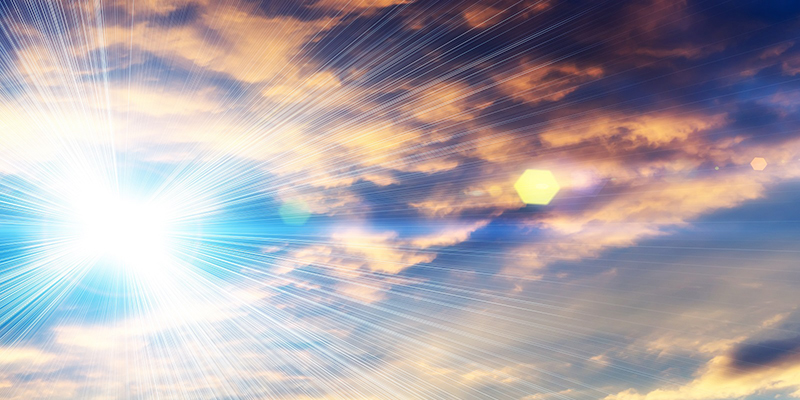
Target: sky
{"points": [[326, 199]]}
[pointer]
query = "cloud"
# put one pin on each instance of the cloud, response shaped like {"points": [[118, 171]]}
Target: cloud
{"points": [[15, 355], [449, 236], [361, 260], [717, 380], [536, 83], [629, 133], [766, 353]]}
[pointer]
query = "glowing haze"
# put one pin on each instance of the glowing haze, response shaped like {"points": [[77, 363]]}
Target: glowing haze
{"points": [[399, 199]]}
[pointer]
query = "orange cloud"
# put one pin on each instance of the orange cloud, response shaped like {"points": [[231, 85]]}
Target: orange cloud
{"points": [[536, 83], [650, 130]]}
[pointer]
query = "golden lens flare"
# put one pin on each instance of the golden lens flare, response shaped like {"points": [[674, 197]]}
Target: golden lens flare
{"points": [[537, 186]]}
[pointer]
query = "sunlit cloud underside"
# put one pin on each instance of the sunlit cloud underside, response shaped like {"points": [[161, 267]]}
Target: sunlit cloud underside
{"points": [[399, 199]]}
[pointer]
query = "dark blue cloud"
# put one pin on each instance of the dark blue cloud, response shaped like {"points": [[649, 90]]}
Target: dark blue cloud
{"points": [[766, 353]]}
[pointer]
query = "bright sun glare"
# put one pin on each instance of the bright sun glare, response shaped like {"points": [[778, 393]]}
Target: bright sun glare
{"points": [[122, 231]]}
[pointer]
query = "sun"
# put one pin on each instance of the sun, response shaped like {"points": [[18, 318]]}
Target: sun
{"points": [[121, 231]]}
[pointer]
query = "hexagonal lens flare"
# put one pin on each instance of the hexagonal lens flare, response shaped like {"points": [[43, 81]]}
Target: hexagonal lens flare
{"points": [[537, 186], [758, 163]]}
